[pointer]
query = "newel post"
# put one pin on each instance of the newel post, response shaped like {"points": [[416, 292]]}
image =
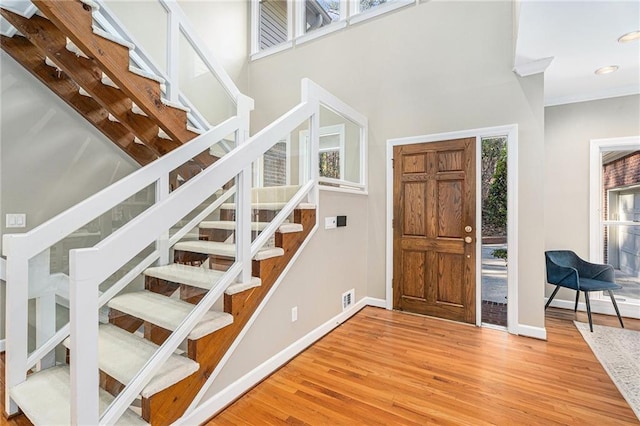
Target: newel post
{"points": [[83, 351]]}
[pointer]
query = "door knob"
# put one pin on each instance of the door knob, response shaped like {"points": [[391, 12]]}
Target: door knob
{"points": [[468, 240], [468, 228]]}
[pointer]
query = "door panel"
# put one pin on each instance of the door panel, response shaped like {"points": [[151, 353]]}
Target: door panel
{"points": [[434, 200]]}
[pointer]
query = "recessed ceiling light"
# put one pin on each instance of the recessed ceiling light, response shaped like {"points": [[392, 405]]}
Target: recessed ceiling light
{"points": [[607, 70], [634, 35]]}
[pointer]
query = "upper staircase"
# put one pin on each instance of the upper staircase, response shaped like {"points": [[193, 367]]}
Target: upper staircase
{"points": [[157, 305], [92, 71]]}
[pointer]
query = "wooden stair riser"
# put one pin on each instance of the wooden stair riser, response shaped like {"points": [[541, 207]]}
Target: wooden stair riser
{"points": [[26, 54], [192, 294], [189, 258], [160, 286], [221, 235], [124, 321], [127, 322]]}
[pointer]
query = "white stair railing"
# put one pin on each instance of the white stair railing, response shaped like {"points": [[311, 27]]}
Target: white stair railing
{"points": [[107, 256], [89, 267], [19, 249]]}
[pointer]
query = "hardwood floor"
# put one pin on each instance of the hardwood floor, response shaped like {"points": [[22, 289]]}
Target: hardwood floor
{"points": [[383, 367]]}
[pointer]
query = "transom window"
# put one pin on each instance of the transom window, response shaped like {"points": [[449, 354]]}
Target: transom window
{"points": [[273, 20]]}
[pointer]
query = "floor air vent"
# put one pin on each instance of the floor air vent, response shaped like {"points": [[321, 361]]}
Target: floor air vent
{"points": [[348, 298]]}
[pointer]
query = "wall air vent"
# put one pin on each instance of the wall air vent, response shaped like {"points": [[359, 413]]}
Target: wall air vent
{"points": [[348, 299]]}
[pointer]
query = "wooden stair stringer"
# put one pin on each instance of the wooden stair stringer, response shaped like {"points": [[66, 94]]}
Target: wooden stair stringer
{"points": [[51, 42], [27, 55], [210, 350], [75, 20]]}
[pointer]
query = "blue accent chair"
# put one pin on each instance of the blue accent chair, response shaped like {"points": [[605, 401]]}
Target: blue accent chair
{"points": [[566, 269]]}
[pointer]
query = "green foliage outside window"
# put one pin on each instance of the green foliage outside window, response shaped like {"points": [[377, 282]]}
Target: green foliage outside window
{"points": [[494, 209], [330, 164]]}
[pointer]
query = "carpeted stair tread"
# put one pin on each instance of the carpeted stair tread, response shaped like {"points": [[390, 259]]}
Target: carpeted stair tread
{"points": [[272, 205], [230, 225], [240, 287], [44, 398], [122, 355], [184, 274], [306, 206], [223, 249], [290, 228], [167, 312]]}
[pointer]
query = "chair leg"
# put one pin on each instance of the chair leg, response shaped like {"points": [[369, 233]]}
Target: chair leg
{"points": [[575, 308], [615, 305], [552, 296], [586, 299]]}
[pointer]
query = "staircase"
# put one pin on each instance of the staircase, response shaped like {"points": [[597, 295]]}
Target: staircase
{"points": [[140, 321], [156, 307], [91, 71]]}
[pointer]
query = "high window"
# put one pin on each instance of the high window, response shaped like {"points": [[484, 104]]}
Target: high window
{"points": [[273, 20]]}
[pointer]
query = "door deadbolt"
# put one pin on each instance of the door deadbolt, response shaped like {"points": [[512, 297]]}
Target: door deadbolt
{"points": [[468, 240], [468, 228]]}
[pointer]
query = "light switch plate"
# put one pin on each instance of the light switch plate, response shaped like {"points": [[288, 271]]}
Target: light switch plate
{"points": [[16, 220], [330, 222]]}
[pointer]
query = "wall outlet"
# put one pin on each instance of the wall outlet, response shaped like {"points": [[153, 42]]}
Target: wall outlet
{"points": [[330, 222], [16, 220], [294, 314]]}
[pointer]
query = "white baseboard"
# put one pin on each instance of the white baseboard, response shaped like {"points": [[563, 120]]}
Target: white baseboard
{"points": [[600, 306], [219, 401], [2, 345], [535, 332]]}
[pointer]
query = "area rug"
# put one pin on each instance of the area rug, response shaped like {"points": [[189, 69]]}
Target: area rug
{"points": [[618, 350]]}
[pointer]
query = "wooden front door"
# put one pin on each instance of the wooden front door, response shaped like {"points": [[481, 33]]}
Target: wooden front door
{"points": [[434, 208]]}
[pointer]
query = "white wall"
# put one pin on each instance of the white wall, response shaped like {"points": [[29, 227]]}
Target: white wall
{"points": [[568, 130], [436, 67], [314, 284]]}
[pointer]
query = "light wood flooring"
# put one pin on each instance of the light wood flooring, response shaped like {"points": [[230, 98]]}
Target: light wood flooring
{"points": [[388, 368]]}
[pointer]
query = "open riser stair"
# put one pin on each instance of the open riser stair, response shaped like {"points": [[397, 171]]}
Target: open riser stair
{"points": [[140, 321], [91, 71]]}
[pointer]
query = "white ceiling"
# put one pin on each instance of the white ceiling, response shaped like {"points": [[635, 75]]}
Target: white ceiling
{"points": [[581, 36]]}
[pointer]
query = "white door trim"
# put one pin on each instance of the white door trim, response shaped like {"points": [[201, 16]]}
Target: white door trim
{"points": [[598, 146], [511, 131]]}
